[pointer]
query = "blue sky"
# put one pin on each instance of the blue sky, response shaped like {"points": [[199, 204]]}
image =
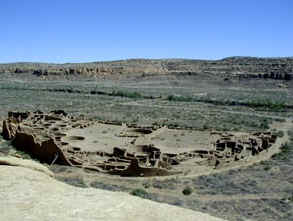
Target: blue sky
{"points": [[92, 30]]}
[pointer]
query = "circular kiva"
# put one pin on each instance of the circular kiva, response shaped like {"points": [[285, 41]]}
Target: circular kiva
{"points": [[39, 128], [62, 125], [58, 138], [60, 134], [75, 138], [141, 130], [64, 143]]}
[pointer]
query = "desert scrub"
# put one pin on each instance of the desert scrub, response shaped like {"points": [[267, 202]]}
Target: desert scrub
{"points": [[259, 104], [285, 151], [267, 165], [180, 98], [187, 191], [264, 124], [169, 184], [127, 94], [140, 193], [74, 181], [25, 155], [146, 185], [279, 133]]}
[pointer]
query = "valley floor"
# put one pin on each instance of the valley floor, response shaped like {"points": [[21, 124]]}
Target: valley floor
{"points": [[260, 191]]}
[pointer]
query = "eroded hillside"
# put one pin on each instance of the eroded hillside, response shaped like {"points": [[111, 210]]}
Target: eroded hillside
{"points": [[251, 67]]}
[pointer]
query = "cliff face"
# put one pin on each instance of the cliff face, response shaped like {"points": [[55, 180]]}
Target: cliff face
{"points": [[275, 68]]}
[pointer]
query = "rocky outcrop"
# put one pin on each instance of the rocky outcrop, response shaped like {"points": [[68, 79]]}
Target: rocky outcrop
{"points": [[32, 195], [18, 162]]}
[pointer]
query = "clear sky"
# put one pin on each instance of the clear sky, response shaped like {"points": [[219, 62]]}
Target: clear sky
{"points": [[92, 30]]}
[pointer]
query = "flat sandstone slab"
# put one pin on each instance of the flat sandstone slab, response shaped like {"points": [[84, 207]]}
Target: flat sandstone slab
{"points": [[31, 195]]}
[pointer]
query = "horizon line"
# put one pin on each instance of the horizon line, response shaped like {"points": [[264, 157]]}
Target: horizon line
{"points": [[140, 58]]}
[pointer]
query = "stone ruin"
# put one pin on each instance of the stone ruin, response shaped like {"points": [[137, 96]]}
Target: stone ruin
{"points": [[44, 136]]}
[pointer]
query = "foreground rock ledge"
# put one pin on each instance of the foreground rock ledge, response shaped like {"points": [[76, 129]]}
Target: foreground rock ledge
{"points": [[26, 194]]}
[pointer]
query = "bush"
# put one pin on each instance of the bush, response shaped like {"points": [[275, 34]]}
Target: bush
{"points": [[266, 103], [146, 185], [179, 98], [187, 191], [23, 155], [279, 133], [260, 103], [126, 94], [284, 154], [139, 192]]}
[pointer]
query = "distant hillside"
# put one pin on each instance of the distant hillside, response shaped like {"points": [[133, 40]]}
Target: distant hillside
{"points": [[276, 68]]}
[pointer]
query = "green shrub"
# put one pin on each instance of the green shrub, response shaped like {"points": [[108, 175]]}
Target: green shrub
{"points": [[284, 154], [187, 191], [266, 168], [279, 133], [146, 185], [259, 103], [126, 94], [179, 98], [139, 192], [269, 104], [25, 155]]}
